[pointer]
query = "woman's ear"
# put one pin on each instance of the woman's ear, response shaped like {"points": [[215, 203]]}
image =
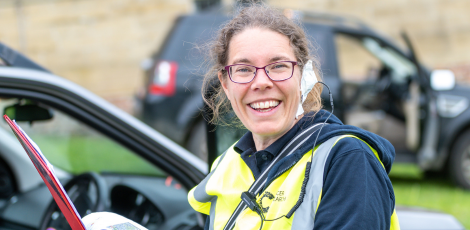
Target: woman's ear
{"points": [[223, 83]]}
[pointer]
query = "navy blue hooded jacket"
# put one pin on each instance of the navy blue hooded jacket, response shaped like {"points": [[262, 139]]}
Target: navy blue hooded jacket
{"points": [[357, 193]]}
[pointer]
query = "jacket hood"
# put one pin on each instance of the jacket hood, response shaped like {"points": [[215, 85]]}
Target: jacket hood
{"points": [[335, 127]]}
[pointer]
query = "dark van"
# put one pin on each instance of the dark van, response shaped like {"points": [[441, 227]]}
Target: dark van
{"points": [[375, 85]]}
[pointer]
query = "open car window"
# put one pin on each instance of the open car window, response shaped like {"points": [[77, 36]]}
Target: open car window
{"points": [[401, 67], [77, 148], [362, 58], [355, 63]]}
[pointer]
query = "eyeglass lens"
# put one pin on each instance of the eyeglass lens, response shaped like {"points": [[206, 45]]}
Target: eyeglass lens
{"points": [[277, 71]]}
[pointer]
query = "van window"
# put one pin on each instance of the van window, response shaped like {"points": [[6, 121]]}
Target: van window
{"points": [[355, 62], [362, 58]]}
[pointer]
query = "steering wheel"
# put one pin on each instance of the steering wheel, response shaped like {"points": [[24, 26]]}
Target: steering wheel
{"points": [[88, 193]]}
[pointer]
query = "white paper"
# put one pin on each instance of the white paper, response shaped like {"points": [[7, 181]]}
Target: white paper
{"points": [[109, 221]]}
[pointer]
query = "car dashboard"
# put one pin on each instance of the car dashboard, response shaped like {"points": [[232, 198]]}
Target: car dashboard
{"points": [[153, 202]]}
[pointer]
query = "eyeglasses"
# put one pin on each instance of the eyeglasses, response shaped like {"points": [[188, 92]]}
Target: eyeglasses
{"points": [[277, 71]]}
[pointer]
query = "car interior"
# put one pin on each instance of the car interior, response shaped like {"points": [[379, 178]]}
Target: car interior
{"points": [[379, 90], [98, 173]]}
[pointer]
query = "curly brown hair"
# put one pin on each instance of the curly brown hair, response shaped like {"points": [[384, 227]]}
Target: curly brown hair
{"points": [[255, 16]]}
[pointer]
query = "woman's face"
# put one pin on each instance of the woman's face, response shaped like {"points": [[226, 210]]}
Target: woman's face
{"points": [[260, 47]]}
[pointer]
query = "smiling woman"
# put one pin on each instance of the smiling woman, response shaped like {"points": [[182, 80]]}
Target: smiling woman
{"points": [[263, 104], [290, 170], [288, 31]]}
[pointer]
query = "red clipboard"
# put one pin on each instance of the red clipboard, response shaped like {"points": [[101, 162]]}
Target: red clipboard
{"points": [[46, 171]]}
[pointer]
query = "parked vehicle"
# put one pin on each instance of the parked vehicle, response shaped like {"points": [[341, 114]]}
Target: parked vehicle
{"points": [[375, 85], [107, 159]]}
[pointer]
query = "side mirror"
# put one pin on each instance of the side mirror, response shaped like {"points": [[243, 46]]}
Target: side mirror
{"points": [[28, 112], [442, 79]]}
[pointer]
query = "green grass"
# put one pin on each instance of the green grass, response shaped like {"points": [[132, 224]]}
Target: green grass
{"points": [[78, 154], [437, 193]]}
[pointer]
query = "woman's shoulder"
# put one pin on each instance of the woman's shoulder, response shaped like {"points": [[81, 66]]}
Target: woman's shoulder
{"points": [[349, 146], [356, 140], [354, 159], [349, 143], [351, 155]]}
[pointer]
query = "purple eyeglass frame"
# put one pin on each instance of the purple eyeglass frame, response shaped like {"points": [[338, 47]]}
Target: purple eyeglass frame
{"points": [[257, 68]]}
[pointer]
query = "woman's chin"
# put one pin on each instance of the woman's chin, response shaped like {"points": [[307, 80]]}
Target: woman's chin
{"points": [[270, 123], [266, 129]]}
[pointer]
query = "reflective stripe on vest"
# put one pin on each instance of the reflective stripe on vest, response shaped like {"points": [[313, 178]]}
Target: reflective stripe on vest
{"points": [[219, 193]]}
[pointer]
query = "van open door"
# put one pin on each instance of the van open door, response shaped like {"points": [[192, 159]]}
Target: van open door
{"points": [[420, 89]]}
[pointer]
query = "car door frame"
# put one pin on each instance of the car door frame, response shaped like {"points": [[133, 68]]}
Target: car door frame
{"points": [[105, 118]]}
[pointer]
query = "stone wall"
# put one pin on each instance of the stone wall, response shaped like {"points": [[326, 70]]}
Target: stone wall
{"points": [[100, 44], [97, 44]]}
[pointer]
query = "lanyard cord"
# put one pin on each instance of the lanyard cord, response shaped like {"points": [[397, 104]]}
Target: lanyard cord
{"points": [[309, 164]]}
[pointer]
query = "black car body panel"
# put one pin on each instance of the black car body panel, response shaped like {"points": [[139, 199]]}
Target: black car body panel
{"points": [[452, 128], [183, 109]]}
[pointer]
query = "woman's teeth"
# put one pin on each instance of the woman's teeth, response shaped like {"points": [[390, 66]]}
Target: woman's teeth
{"points": [[264, 106]]}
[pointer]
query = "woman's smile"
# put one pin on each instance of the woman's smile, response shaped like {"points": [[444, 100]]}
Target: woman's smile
{"points": [[265, 106]]}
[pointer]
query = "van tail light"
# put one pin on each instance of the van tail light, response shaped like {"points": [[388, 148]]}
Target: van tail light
{"points": [[164, 79]]}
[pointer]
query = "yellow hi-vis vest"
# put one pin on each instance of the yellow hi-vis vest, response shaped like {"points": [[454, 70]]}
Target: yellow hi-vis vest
{"points": [[219, 193]]}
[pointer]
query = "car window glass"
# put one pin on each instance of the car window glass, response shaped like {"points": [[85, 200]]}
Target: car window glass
{"points": [[355, 62], [363, 58], [190, 33], [76, 148], [401, 67]]}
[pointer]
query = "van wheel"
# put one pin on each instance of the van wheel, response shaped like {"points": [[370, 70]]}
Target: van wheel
{"points": [[197, 140], [459, 161]]}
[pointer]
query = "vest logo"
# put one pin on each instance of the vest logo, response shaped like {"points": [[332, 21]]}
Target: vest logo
{"points": [[280, 197], [267, 195]]}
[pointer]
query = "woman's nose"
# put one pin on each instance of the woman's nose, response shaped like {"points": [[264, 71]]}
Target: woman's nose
{"points": [[261, 81]]}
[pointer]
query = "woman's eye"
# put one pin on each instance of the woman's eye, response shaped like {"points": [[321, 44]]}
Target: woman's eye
{"points": [[279, 66], [243, 70]]}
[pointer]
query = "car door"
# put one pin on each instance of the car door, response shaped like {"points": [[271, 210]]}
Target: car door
{"points": [[102, 116], [94, 124], [380, 90]]}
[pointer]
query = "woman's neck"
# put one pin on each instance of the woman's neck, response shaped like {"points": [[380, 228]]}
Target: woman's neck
{"points": [[264, 141]]}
